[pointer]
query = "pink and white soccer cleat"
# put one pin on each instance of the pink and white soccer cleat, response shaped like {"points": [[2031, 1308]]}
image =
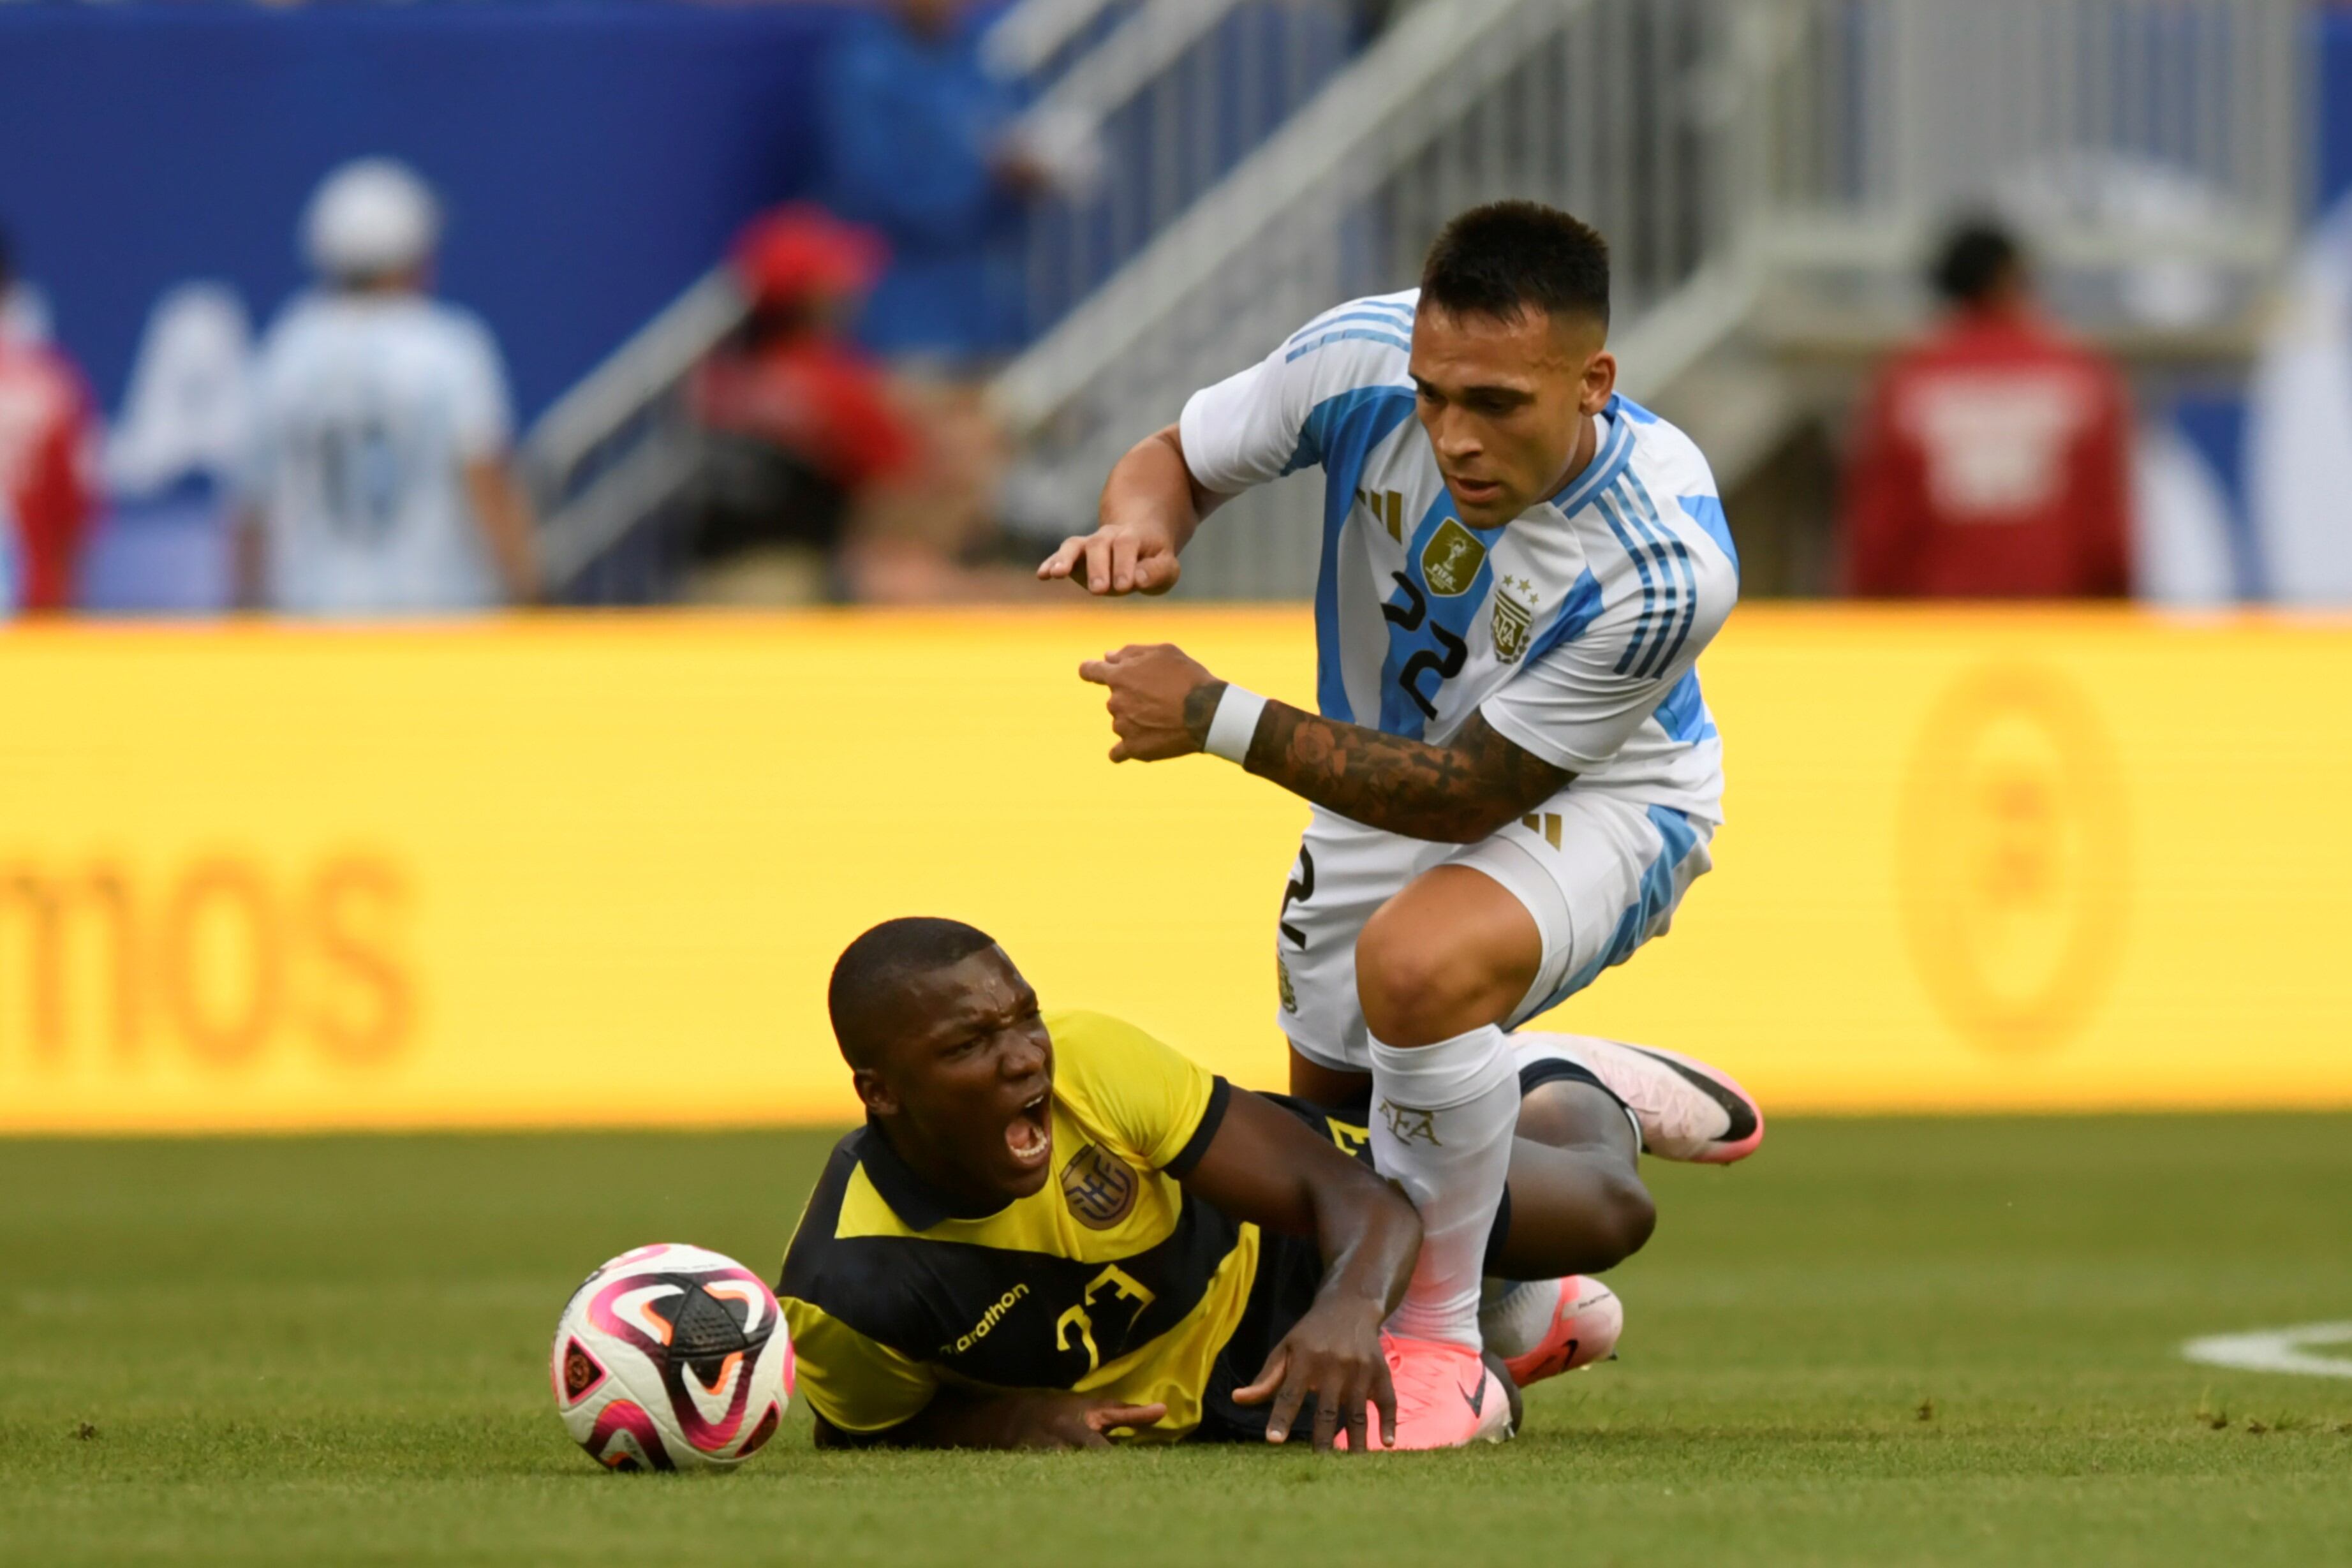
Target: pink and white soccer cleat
{"points": [[1688, 1111], [1448, 1397], [1585, 1323]]}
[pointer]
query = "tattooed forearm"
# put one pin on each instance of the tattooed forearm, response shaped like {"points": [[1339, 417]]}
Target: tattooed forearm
{"points": [[1454, 794]]}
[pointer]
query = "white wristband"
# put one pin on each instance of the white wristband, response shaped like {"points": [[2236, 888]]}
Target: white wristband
{"points": [[1232, 724]]}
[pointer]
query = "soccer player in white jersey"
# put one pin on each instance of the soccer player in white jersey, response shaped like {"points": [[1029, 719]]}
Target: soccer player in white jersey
{"points": [[379, 483], [1514, 776]]}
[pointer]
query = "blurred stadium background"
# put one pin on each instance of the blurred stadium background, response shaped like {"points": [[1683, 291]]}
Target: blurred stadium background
{"points": [[267, 874], [584, 862]]}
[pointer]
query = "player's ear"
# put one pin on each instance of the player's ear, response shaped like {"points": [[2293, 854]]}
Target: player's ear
{"points": [[1600, 382], [873, 1092]]}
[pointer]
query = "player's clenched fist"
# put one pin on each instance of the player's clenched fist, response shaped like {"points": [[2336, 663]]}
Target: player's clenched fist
{"points": [[1162, 699]]}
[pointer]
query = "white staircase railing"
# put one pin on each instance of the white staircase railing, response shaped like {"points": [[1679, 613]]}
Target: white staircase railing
{"points": [[1594, 105], [1737, 154], [1166, 94]]}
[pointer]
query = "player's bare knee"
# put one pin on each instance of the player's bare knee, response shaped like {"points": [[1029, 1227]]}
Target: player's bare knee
{"points": [[1413, 990], [1625, 1216], [1419, 986]]}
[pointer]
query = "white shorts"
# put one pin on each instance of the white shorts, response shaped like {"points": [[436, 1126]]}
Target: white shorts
{"points": [[1599, 875]]}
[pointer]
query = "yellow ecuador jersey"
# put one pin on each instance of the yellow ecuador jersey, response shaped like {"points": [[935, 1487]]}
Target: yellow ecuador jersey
{"points": [[1111, 1278]]}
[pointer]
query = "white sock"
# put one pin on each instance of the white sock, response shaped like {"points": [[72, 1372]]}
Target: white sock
{"points": [[1516, 1314], [1441, 1122]]}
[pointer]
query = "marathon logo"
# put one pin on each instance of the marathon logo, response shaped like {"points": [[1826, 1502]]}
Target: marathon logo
{"points": [[988, 1320]]}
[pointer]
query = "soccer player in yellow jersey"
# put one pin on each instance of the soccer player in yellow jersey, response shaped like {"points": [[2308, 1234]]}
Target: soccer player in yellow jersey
{"points": [[1049, 1228], [1055, 1230]]}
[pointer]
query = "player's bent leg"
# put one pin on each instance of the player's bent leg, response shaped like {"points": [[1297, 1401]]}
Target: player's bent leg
{"points": [[1437, 968], [1578, 1204], [1686, 1109]]}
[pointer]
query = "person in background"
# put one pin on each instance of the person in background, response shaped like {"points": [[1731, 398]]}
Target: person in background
{"points": [[380, 482], [921, 146], [800, 430], [49, 441], [2299, 425], [1992, 459], [819, 478]]}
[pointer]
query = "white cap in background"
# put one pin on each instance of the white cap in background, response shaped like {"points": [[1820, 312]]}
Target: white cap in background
{"points": [[370, 217]]}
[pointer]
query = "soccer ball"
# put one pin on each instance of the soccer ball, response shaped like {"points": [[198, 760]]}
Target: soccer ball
{"points": [[672, 1358]]}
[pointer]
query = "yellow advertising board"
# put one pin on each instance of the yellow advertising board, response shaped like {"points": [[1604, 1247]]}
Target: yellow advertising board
{"points": [[572, 871]]}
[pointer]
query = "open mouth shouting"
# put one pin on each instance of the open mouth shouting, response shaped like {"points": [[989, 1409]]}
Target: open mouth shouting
{"points": [[1030, 1134]]}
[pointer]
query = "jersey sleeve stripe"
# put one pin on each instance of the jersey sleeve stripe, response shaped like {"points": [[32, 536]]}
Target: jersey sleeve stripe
{"points": [[1652, 524], [1610, 505], [1350, 334], [1391, 322], [1398, 318]]}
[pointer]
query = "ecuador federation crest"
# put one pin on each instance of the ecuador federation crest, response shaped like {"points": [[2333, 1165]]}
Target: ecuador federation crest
{"points": [[1512, 616], [1099, 1187], [1450, 561]]}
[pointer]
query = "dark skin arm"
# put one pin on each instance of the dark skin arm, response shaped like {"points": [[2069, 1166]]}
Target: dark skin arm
{"points": [[1267, 1167], [1162, 701], [1029, 1419]]}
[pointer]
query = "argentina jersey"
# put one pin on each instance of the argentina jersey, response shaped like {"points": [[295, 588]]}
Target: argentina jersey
{"points": [[1575, 629]]}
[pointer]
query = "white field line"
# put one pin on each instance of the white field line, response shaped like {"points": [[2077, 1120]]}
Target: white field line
{"points": [[2276, 1350]]}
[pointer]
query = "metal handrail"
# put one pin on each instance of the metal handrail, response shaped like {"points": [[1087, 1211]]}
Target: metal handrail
{"points": [[616, 447], [1737, 151]]}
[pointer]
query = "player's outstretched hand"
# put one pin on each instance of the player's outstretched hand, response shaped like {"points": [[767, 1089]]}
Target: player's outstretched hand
{"points": [[1117, 558], [1162, 699], [1080, 1420], [1334, 1353]]}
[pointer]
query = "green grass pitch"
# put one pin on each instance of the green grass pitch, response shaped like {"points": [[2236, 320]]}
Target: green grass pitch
{"points": [[1879, 1342]]}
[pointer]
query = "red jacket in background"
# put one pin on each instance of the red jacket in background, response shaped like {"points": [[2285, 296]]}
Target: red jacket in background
{"points": [[1990, 463], [820, 399], [46, 431]]}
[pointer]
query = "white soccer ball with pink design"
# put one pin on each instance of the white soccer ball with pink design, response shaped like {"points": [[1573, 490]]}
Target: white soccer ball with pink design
{"points": [[672, 1358]]}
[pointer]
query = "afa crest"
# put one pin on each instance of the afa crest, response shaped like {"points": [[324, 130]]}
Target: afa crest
{"points": [[1512, 620], [1407, 1124], [1450, 561], [1099, 1187]]}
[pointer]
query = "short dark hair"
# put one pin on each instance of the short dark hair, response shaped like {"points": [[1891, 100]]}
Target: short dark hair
{"points": [[1508, 256], [862, 981], [1978, 256]]}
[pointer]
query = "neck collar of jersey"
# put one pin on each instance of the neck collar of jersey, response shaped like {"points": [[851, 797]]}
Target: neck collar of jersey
{"points": [[919, 1204], [1609, 458]]}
